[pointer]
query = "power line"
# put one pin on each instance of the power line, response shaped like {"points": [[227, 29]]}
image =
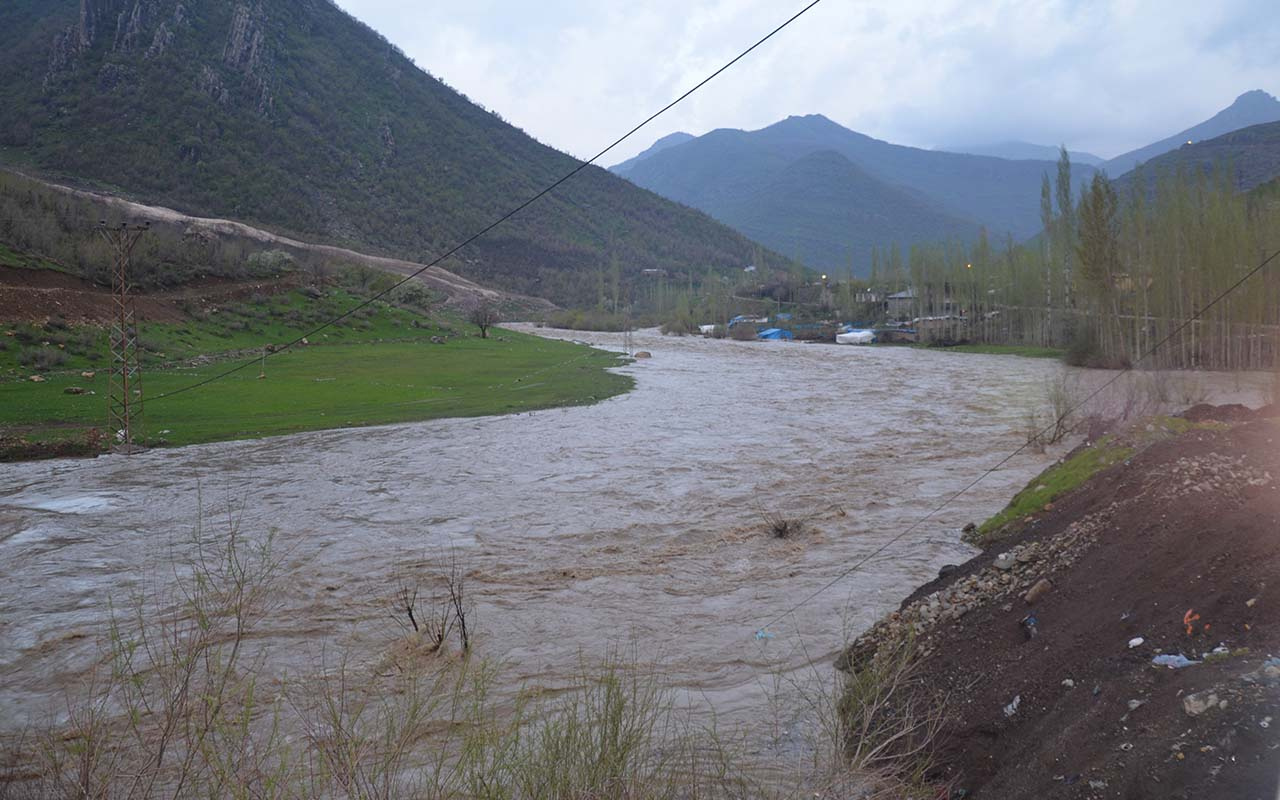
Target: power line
{"points": [[581, 166], [1151, 351]]}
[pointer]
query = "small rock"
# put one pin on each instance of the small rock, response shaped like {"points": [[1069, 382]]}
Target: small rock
{"points": [[1004, 562], [1198, 703], [1040, 589], [73, 390], [643, 354], [1136, 642], [37, 379], [1251, 602], [1134, 705], [1097, 784], [969, 528], [1070, 684], [88, 375]]}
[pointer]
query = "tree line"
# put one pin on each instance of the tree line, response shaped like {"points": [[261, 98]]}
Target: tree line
{"points": [[1118, 269]]}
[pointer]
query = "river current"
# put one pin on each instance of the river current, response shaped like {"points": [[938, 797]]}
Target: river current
{"points": [[635, 523]]}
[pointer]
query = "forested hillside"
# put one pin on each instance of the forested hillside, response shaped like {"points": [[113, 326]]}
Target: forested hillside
{"points": [[935, 195], [291, 114], [1248, 158]]}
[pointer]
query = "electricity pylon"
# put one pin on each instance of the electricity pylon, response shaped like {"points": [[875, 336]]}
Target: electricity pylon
{"points": [[124, 391]]}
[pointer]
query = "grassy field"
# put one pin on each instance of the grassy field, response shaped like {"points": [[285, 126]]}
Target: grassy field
{"points": [[378, 367]]}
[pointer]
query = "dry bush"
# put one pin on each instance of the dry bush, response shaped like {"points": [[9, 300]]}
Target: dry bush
{"points": [[169, 711], [1191, 390], [1062, 396], [888, 721], [444, 609]]}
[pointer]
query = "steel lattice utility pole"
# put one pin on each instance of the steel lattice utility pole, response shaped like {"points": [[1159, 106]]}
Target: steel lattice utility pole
{"points": [[124, 395]]}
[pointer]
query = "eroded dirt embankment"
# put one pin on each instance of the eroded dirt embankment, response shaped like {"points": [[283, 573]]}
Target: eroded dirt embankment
{"points": [[1174, 551]]}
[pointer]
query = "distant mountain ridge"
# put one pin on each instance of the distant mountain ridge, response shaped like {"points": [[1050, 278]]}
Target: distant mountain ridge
{"points": [[824, 192], [740, 177], [670, 140], [1025, 151], [292, 115], [1249, 158], [1251, 108]]}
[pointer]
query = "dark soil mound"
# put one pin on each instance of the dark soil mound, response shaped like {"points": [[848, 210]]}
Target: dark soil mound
{"points": [[1233, 412], [1178, 547]]}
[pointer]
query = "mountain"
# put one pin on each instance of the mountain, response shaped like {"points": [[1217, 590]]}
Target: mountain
{"points": [[933, 195], [1024, 151], [826, 212], [670, 140], [1250, 157], [291, 115], [1251, 108]]}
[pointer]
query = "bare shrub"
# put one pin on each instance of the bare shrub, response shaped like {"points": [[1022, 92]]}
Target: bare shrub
{"points": [[1060, 420], [780, 525], [742, 333], [1191, 390], [445, 607], [168, 712], [888, 721]]}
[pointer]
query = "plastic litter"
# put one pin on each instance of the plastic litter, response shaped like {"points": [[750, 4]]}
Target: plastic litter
{"points": [[1136, 642], [1271, 662], [1029, 623], [762, 634], [1012, 708], [1172, 662]]}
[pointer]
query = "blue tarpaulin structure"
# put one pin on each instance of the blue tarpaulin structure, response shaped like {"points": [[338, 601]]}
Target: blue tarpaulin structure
{"points": [[774, 334]]}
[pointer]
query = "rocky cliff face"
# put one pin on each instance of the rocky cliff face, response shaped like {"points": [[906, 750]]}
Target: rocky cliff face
{"points": [[146, 30]]}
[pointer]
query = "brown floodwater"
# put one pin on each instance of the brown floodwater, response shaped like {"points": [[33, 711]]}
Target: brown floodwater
{"points": [[632, 524]]}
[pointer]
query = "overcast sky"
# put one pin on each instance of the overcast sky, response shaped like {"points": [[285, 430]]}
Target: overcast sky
{"points": [[1104, 77]]}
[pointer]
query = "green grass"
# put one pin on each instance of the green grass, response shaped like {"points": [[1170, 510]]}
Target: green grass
{"points": [[12, 258], [332, 386], [1052, 484], [1062, 478], [378, 366], [238, 326]]}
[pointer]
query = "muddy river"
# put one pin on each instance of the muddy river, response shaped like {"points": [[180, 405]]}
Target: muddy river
{"points": [[634, 523]]}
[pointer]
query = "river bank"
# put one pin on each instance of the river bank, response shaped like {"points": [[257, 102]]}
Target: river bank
{"points": [[382, 364], [1045, 649]]}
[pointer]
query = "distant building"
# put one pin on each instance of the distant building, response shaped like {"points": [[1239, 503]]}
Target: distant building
{"points": [[901, 304]]}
